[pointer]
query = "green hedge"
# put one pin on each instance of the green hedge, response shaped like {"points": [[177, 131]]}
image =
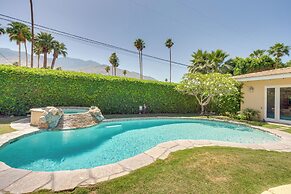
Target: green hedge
{"points": [[22, 88]]}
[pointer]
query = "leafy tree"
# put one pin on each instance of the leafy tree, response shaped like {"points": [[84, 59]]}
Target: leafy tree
{"points": [[107, 69], [20, 33], [58, 49], [207, 87], [257, 53], [140, 45], [288, 64], [45, 41], [169, 43], [278, 51], [250, 65], [114, 61], [124, 72], [208, 62]]}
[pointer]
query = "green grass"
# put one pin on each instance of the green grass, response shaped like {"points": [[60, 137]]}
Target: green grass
{"points": [[5, 124], [204, 170]]}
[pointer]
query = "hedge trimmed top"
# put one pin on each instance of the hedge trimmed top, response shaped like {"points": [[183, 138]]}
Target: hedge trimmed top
{"points": [[23, 88]]}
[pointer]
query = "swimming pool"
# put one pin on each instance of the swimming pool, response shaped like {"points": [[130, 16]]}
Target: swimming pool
{"points": [[111, 142], [75, 110]]}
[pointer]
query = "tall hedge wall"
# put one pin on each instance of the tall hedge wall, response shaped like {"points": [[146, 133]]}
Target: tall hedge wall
{"points": [[23, 88]]}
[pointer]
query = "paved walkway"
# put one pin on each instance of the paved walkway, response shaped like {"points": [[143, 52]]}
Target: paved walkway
{"points": [[23, 181]]}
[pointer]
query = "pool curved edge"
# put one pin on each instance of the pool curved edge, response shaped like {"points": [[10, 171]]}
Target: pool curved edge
{"points": [[20, 181]]}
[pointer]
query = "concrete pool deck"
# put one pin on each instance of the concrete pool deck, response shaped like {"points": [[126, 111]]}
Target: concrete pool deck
{"points": [[23, 181]]}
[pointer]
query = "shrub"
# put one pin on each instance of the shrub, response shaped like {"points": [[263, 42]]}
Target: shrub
{"points": [[248, 114], [23, 88]]}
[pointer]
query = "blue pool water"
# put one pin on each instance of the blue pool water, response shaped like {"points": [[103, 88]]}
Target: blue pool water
{"points": [[111, 142], [74, 110]]}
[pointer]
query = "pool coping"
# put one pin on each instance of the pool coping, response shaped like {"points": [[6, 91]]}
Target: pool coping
{"points": [[23, 181]]}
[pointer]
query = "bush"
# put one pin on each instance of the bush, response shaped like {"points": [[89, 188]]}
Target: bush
{"points": [[23, 88], [248, 114]]}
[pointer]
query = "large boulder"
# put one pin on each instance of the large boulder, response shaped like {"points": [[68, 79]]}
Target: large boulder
{"points": [[50, 118], [96, 113]]}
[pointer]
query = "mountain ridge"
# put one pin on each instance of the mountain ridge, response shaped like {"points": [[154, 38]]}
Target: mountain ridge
{"points": [[8, 56]]}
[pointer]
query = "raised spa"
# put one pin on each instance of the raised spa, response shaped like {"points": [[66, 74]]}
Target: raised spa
{"points": [[111, 142]]}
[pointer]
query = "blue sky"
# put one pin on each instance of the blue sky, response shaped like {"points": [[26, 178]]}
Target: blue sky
{"points": [[236, 26]]}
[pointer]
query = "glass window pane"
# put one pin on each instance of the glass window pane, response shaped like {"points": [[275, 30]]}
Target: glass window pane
{"points": [[271, 103], [285, 103]]}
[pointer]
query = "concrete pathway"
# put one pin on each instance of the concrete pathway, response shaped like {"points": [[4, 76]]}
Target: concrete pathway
{"points": [[23, 181]]}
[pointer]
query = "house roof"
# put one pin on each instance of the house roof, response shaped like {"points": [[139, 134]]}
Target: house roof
{"points": [[265, 75]]}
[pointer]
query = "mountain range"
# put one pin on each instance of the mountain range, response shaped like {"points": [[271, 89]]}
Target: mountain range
{"points": [[8, 56]]}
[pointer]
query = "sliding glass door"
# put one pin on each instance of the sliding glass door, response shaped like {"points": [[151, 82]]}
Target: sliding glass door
{"points": [[270, 103], [278, 104], [285, 103]]}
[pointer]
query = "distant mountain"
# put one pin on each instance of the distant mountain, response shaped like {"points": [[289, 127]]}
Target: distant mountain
{"points": [[8, 56]]}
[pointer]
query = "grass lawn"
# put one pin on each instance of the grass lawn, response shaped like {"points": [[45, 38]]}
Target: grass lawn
{"points": [[204, 170], [5, 124]]}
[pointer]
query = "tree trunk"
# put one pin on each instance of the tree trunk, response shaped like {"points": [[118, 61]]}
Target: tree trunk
{"points": [[38, 58], [202, 109], [140, 68], [45, 60], [32, 33], [112, 70], [26, 55], [170, 65], [141, 65], [115, 71], [53, 62], [19, 54]]}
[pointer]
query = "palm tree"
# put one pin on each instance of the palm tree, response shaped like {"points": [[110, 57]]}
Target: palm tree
{"points": [[140, 45], [124, 72], [217, 59], [278, 51], [27, 37], [58, 49], [20, 33], [205, 62], [199, 63], [45, 42], [32, 33], [113, 59], [107, 69], [257, 53], [169, 43], [38, 51], [2, 30]]}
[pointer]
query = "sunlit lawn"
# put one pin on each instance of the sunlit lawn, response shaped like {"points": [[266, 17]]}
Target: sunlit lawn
{"points": [[205, 170], [5, 124]]}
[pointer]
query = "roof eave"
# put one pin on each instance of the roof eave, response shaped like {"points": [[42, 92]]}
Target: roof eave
{"points": [[265, 77]]}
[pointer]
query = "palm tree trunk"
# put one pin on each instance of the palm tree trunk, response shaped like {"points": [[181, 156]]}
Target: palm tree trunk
{"points": [[112, 70], [170, 65], [115, 71], [32, 33], [26, 55], [53, 62], [38, 58], [19, 54], [45, 60], [140, 64]]}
